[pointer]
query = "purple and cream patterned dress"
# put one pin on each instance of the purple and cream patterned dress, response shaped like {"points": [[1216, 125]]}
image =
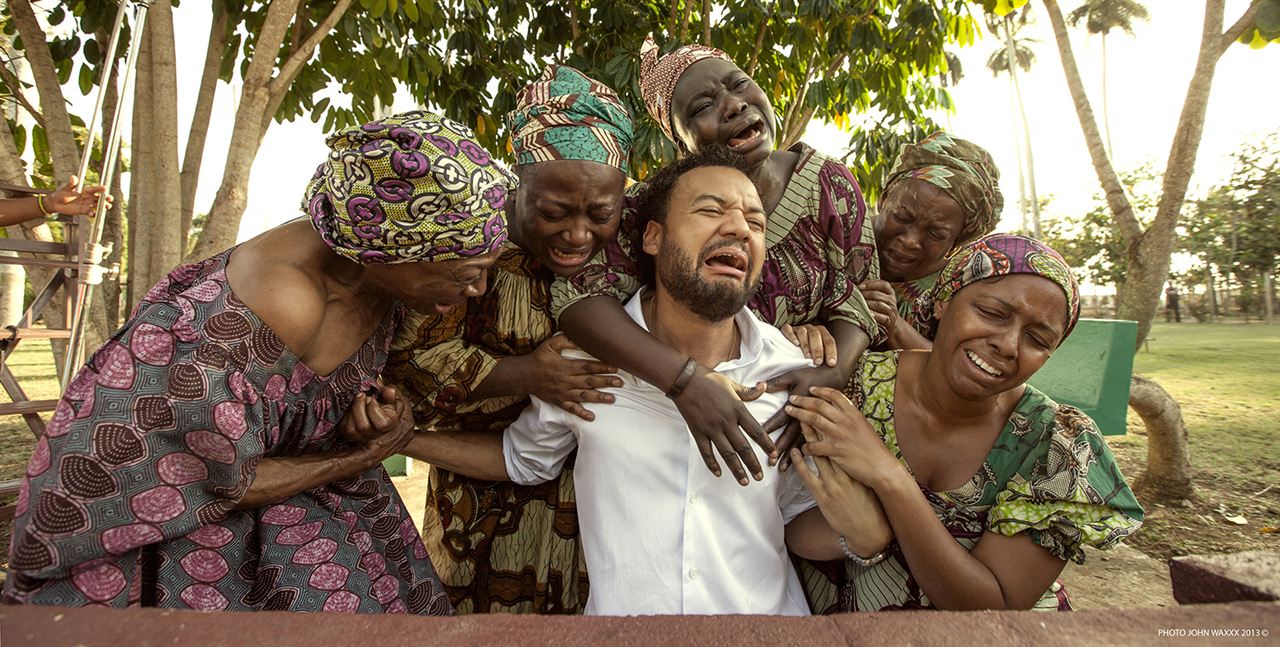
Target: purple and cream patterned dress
{"points": [[127, 498]]}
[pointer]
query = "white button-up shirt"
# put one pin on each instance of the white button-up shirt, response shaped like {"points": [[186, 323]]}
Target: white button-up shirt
{"points": [[661, 534]]}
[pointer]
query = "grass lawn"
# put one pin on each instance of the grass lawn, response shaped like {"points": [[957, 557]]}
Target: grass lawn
{"points": [[1226, 377]]}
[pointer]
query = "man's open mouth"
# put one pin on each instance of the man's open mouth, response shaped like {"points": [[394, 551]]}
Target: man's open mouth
{"points": [[728, 261]]}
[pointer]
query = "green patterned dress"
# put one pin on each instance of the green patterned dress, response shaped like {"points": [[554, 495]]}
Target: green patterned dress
{"points": [[1049, 474]]}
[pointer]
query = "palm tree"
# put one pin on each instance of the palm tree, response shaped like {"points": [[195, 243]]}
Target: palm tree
{"points": [[1013, 54], [1100, 17]]}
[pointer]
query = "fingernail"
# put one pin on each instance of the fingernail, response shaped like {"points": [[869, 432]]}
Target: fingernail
{"points": [[759, 476], [813, 389], [743, 481], [831, 362], [716, 472]]}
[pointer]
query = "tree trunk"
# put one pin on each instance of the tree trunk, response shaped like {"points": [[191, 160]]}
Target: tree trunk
{"points": [[706, 22], [260, 97], [1121, 209], [194, 154], [684, 21], [1027, 174], [1212, 293], [140, 191], [1106, 109], [1168, 474], [160, 222], [1268, 297], [53, 105]]}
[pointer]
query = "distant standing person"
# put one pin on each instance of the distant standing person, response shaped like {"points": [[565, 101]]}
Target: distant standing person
{"points": [[1171, 310]]}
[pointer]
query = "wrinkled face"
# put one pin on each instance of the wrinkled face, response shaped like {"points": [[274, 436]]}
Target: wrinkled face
{"points": [[993, 335], [437, 286], [566, 210], [709, 252], [916, 228], [716, 102]]}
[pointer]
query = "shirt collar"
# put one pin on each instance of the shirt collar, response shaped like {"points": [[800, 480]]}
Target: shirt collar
{"points": [[750, 348]]}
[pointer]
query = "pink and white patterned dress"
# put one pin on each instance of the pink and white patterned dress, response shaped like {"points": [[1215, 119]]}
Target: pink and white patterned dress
{"points": [[128, 495]]}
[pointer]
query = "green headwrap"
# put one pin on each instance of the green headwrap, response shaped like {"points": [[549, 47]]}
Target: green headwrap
{"points": [[961, 168], [567, 115]]}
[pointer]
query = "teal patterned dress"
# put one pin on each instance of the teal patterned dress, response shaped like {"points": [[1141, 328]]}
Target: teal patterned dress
{"points": [[1049, 474]]}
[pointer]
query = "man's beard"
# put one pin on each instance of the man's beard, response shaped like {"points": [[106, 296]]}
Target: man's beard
{"points": [[712, 301]]}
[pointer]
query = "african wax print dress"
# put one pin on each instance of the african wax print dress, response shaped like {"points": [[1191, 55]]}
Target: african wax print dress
{"points": [[499, 546], [819, 247], [1049, 474], [128, 496], [908, 292]]}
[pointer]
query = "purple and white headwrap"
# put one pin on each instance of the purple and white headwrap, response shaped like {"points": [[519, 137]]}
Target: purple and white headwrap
{"points": [[411, 187]]}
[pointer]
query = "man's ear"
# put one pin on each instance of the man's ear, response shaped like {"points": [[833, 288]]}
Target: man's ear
{"points": [[940, 309], [652, 237]]}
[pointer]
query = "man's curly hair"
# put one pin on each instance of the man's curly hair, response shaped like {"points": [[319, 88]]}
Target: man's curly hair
{"points": [[654, 199]]}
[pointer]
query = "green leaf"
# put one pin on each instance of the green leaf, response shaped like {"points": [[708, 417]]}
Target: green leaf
{"points": [[20, 139], [1268, 17], [86, 80], [411, 10], [39, 143]]}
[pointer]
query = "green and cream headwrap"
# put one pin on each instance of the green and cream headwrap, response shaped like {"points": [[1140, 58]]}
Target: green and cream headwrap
{"points": [[411, 187], [567, 115], [964, 170]]}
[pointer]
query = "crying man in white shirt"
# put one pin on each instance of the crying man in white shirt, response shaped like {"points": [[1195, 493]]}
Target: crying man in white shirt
{"points": [[661, 534]]}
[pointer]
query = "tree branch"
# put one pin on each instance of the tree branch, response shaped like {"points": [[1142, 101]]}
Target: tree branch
{"points": [[289, 71], [574, 30], [194, 154], [15, 87], [755, 51], [1128, 224], [800, 96], [270, 38], [706, 22], [1236, 30], [684, 21]]}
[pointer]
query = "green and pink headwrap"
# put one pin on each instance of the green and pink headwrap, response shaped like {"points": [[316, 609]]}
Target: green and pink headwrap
{"points": [[964, 170], [993, 256], [659, 76], [567, 115], [411, 187]]}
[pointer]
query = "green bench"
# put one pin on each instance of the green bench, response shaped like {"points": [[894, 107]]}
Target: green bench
{"points": [[397, 465], [1092, 371]]}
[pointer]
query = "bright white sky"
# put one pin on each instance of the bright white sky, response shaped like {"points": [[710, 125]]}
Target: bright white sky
{"points": [[1148, 81]]}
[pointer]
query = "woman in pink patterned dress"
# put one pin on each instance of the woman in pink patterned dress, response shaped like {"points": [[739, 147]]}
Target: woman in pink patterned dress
{"points": [[200, 459]]}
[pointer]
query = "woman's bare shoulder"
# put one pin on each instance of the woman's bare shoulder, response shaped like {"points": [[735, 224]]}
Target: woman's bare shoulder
{"points": [[279, 287]]}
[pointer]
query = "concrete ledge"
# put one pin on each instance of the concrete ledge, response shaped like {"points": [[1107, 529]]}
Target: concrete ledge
{"points": [[1250, 575], [52, 626]]}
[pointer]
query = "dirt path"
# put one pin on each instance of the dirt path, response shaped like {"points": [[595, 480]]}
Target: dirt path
{"points": [[1119, 578]]}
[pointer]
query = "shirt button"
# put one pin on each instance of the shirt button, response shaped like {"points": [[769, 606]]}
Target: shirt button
{"points": [[693, 573], [693, 498]]}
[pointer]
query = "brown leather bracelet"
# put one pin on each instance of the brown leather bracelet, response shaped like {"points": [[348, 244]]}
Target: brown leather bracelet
{"points": [[682, 380]]}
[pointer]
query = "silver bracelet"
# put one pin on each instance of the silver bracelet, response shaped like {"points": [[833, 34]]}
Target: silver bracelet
{"points": [[859, 560]]}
